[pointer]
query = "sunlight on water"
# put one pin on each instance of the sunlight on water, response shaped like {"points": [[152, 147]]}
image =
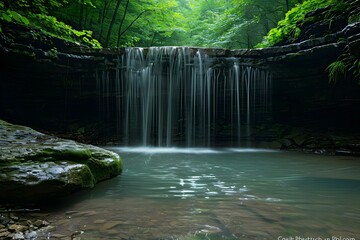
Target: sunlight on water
{"points": [[229, 193]]}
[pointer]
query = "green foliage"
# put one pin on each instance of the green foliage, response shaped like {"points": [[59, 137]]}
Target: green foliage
{"points": [[347, 64], [52, 52], [7, 15], [234, 23], [336, 71], [34, 6], [36, 12], [288, 28], [354, 18], [211, 23], [356, 69], [59, 29]]}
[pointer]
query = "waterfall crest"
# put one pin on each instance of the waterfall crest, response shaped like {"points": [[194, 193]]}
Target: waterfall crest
{"points": [[166, 96]]}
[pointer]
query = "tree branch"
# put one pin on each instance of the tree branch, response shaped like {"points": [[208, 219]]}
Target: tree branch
{"points": [[130, 25]]}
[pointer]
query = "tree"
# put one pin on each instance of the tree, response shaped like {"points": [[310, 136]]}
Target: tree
{"points": [[112, 22], [121, 23], [288, 30], [207, 23], [102, 14]]}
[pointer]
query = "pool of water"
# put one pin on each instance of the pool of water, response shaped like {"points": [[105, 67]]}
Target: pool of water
{"points": [[172, 193]]}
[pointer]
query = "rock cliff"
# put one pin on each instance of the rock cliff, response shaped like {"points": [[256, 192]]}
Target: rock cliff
{"points": [[52, 85]]}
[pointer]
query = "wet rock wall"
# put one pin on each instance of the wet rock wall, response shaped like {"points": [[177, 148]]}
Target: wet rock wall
{"points": [[52, 85]]}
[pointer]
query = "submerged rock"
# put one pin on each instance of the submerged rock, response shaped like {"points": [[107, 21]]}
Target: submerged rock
{"points": [[24, 227], [36, 166]]}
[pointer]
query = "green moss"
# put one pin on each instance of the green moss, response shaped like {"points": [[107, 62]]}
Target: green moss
{"points": [[76, 154], [105, 169], [102, 164], [83, 176], [191, 237], [40, 166], [52, 154]]}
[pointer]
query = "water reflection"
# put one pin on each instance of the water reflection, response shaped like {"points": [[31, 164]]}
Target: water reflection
{"points": [[160, 150], [164, 150], [220, 194]]}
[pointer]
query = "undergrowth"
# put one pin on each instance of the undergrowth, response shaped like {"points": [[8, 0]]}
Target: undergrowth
{"points": [[47, 24], [290, 27]]}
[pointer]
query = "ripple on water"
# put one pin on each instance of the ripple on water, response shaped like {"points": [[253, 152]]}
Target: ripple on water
{"points": [[220, 194]]}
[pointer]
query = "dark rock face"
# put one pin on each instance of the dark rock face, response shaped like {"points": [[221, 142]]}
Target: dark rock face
{"points": [[35, 166], [52, 85], [304, 97], [47, 83]]}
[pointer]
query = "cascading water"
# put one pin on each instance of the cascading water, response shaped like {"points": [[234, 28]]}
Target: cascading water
{"points": [[166, 96]]}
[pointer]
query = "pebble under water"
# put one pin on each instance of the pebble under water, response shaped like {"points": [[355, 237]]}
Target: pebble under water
{"points": [[174, 193]]}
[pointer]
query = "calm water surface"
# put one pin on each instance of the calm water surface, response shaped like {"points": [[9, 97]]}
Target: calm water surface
{"points": [[185, 194]]}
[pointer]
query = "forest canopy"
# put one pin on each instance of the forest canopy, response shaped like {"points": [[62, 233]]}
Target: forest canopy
{"points": [[115, 23]]}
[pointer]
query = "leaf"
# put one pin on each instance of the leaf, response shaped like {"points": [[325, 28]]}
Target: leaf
{"points": [[19, 18], [6, 17], [336, 70]]}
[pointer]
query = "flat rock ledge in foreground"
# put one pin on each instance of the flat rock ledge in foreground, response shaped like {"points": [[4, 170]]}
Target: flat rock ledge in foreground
{"points": [[36, 166]]}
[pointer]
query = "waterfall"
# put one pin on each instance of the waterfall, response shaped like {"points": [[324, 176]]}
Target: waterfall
{"points": [[166, 96]]}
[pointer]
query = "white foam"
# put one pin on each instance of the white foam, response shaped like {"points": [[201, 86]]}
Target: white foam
{"points": [[152, 150], [246, 150], [164, 150]]}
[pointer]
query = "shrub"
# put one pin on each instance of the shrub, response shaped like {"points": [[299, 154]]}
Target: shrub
{"points": [[288, 28], [48, 24]]}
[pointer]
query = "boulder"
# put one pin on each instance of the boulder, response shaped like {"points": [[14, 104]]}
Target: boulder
{"points": [[35, 166]]}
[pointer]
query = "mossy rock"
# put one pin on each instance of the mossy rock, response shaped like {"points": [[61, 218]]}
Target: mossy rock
{"points": [[36, 166]]}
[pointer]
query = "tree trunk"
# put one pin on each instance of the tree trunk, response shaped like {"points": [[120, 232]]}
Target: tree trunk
{"points": [[86, 17], [102, 15], [287, 5], [121, 23], [81, 15], [112, 23], [266, 25]]}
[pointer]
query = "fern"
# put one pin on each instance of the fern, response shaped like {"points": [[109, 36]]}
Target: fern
{"points": [[356, 69], [336, 70]]}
